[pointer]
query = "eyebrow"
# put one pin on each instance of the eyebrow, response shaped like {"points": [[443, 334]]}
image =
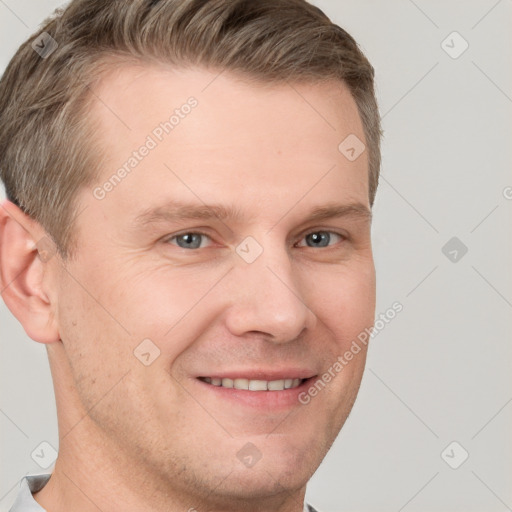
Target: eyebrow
{"points": [[176, 211]]}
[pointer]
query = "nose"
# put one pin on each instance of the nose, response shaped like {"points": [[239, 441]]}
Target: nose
{"points": [[266, 298]]}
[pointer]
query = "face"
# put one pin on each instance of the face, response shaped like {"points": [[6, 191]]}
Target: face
{"points": [[235, 249]]}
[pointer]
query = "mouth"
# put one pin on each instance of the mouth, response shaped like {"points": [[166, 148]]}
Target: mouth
{"points": [[253, 384], [259, 391]]}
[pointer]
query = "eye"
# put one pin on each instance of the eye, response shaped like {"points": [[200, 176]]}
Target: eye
{"points": [[321, 239], [197, 240], [190, 240]]}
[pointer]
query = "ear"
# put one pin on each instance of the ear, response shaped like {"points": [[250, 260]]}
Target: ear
{"points": [[26, 254]]}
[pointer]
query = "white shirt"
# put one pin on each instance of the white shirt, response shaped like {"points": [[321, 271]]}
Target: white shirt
{"points": [[25, 502]]}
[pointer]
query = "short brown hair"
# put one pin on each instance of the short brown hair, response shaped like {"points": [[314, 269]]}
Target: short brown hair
{"points": [[44, 101]]}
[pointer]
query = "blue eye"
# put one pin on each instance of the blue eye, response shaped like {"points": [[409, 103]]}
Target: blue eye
{"points": [[188, 240], [321, 238], [194, 240]]}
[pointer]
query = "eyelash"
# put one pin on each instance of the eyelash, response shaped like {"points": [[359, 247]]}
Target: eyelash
{"points": [[173, 237]]}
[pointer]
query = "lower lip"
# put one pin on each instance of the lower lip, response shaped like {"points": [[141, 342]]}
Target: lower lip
{"points": [[266, 400]]}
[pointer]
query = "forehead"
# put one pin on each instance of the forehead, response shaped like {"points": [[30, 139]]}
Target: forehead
{"points": [[212, 134]]}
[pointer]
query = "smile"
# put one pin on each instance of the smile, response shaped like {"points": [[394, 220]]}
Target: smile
{"points": [[254, 385]]}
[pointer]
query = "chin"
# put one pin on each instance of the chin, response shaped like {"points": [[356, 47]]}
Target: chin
{"points": [[267, 481], [281, 466]]}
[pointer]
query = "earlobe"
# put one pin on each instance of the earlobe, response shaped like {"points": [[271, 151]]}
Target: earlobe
{"points": [[25, 253]]}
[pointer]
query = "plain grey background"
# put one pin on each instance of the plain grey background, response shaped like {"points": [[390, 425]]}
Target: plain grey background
{"points": [[440, 372]]}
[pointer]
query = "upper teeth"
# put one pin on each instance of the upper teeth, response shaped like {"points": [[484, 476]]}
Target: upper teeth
{"points": [[254, 385]]}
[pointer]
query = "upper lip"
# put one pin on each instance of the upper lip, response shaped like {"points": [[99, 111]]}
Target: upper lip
{"points": [[260, 374]]}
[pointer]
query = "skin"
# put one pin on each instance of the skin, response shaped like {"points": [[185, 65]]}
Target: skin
{"points": [[136, 437]]}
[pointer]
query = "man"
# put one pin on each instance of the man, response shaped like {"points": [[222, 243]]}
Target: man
{"points": [[187, 230]]}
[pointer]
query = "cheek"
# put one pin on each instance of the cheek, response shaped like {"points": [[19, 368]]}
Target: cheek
{"points": [[344, 300], [97, 345], [170, 306]]}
